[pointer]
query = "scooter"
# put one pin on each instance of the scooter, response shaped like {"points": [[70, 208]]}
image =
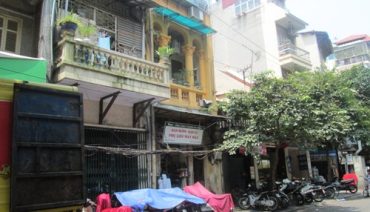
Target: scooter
{"points": [[292, 190], [345, 185], [258, 200]]}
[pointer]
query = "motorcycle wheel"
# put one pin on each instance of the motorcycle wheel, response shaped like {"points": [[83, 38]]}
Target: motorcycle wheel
{"points": [[284, 202], [308, 198], [299, 199], [352, 189], [318, 196], [274, 206], [330, 193], [244, 203]]}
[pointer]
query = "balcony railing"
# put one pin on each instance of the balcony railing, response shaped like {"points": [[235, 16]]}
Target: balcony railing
{"points": [[288, 48], [86, 55]]}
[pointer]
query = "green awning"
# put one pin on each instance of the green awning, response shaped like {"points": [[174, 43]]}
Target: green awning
{"points": [[17, 67], [184, 21]]}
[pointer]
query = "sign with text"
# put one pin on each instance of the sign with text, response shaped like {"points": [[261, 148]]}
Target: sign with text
{"points": [[182, 135]]}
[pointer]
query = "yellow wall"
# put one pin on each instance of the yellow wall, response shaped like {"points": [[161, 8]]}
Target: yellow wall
{"points": [[187, 96]]}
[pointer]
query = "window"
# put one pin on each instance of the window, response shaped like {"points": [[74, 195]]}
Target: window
{"points": [[244, 6], [10, 33]]}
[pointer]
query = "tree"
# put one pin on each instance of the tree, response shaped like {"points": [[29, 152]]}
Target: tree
{"points": [[305, 109]]}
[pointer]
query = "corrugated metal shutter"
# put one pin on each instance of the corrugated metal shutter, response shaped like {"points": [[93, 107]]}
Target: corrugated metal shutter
{"points": [[129, 37]]}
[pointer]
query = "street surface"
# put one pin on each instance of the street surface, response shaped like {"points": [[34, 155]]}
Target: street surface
{"points": [[343, 203]]}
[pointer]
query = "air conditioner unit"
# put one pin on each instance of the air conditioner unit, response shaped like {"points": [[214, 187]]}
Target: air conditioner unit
{"points": [[196, 13]]}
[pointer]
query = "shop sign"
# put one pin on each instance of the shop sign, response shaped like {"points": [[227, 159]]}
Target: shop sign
{"points": [[182, 135]]}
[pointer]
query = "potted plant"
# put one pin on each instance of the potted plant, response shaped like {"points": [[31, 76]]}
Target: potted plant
{"points": [[164, 53], [86, 30], [69, 22]]}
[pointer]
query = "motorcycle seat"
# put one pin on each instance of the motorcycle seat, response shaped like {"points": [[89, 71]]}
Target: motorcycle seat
{"points": [[347, 181]]}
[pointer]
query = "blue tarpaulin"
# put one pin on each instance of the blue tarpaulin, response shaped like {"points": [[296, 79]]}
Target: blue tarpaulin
{"points": [[156, 198]]}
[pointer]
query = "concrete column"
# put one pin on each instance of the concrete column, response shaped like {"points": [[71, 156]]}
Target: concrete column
{"points": [[164, 40], [188, 52], [256, 174], [45, 45], [202, 69], [360, 169], [191, 169], [308, 156]]}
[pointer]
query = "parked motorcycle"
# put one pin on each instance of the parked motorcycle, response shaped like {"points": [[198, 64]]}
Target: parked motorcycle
{"points": [[312, 192], [345, 185], [328, 187], [260, 200], [292, 190]]}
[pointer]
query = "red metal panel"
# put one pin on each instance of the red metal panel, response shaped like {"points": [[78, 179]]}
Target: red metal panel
{"points": [[5, 132]]}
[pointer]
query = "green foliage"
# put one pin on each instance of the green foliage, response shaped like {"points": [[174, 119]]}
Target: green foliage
{"points": [[308, 109], [69, 17], [164, 51], [86, 30]]}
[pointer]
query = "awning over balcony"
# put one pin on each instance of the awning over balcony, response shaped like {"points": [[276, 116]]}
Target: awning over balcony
{"points": [[185, 21]]}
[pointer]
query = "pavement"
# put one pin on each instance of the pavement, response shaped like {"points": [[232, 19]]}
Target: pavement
{"points": [[344, 202]]}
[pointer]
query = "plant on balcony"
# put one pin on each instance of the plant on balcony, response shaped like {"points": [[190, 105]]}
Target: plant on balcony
{"points": [[69, 22], [86, 30], [164, 52]]}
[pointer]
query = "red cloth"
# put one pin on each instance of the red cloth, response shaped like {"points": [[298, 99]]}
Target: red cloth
{"points": [[120, 209], [350, 176], [219, 202], [103, 204]]}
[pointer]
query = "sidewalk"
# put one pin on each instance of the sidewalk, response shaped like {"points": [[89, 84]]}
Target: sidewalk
{"points": [[345, 202]]}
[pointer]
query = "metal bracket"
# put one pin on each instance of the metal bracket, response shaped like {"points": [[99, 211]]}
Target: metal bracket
{"points": [[137, 116], [102, 113]]}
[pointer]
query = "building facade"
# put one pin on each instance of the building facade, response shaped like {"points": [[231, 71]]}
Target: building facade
{"points": [[254, 36], [352, 50], [138, 100], [257, 35], [132, 100]]}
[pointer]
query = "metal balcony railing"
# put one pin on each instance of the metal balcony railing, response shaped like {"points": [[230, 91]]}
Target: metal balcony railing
{"points": [[288, 48]]}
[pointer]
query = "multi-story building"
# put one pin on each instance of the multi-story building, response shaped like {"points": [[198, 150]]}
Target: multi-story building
{"points": [[257, 35], [352, 50], [254, 36], [318, 44], [155, 112], [152, 106]]}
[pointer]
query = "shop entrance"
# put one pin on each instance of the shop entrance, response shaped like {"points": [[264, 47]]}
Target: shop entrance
{"points": [[238, 172], [176, 168]]}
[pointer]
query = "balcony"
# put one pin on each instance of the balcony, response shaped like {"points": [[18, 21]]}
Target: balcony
{"points": [[184, 96], [293, 58], [97, 70]]}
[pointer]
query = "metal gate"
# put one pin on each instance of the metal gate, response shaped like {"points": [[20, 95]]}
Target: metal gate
{"points": [[47, 148], [114, 172]]}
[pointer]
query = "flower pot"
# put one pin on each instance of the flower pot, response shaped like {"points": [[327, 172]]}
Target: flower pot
{"points": [[69, 26]]}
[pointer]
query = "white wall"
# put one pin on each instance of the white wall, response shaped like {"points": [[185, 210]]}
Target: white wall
{"points": [[308, 42], [118, 115], [237, 37]]}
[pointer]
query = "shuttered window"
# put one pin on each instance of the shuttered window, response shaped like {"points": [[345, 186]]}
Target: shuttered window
{"points": [[10, 34], [130, 37]]}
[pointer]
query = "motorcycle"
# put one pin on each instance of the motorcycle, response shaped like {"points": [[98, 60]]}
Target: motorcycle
{"points": [[312, 193], [328, 187], [292, 190], [253, 199], [345, 185]]}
